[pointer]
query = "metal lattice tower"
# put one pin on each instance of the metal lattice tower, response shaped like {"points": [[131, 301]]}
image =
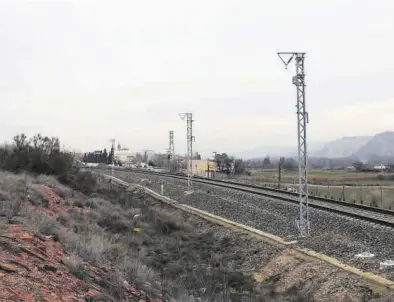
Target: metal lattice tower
{"points": [[302, 119], [190, 140], [171, 149]]}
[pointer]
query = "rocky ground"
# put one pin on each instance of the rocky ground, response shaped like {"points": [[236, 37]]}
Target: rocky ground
{"points": [[34, 264], [337, 236]]}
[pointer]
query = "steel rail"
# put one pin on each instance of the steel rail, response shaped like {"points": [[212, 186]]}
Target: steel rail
{"points": [[363, 212]]}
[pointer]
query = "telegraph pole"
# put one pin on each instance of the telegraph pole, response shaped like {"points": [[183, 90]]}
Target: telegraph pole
{"points": [[171, 150], [113, 158], [280, 165], [302, 119], [190, 139], [146, 155]]}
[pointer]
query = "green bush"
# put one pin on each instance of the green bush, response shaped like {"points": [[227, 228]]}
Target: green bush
{"points": [[84, 181], [42, 155], [39, 155], [114, 222], [48, 227], [167, 222], [78, 203]]}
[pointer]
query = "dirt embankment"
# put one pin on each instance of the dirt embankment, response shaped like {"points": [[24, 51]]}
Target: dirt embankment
{"points": [[122, 245], [38, 262]]}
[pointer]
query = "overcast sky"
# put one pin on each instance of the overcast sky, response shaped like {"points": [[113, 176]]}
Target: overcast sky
{"points": [[87, 71]]}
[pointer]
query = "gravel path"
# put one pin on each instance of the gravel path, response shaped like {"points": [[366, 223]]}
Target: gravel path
{"points": [[335, 235]]}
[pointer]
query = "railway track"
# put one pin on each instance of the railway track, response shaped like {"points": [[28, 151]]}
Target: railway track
{"points": [[375, 215], [375, 282]]}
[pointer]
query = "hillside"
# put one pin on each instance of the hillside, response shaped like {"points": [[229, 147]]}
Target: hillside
{"points": [[374, 147], [343, 147], [381, 145], [277, 151], [51, 251]]}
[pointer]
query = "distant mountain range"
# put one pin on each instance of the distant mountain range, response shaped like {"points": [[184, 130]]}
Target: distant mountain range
{"points": [[277, 151], [374, 147], [360, 147], [343, 147]]}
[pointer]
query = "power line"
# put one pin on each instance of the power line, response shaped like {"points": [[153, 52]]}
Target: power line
{"points": [[302, 119], [190, 138]]}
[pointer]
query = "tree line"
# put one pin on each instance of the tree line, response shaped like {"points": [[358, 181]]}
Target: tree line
{"points": [[42, 155], [101, 157], [229, 164], [267, 163]]}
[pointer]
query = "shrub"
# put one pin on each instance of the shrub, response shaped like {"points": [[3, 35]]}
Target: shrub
{"points": [[139, 274], [113, 281], [39, 155], [13, 192], [48, 227], [115, 251], [63, 192], [90, 203], [89, 247], [167, 222], [35, 195], [375, 198], [85, 182], [4, 195], [114, 222], [11, 207], [75, 265], [52, 182], [64, 219], [78, 203]]}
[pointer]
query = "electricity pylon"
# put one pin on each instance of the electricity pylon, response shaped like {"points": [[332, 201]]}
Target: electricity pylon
{"points": [[302, 119], [190, 139]]}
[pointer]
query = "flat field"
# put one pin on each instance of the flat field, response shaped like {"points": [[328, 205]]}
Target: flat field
{"points": [[357, 187], [334, 177]]}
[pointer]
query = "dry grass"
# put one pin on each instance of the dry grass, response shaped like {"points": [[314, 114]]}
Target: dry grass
{"points": [[375, 198], [167, 255], [36, 195], [40, 223], [317, 175], [143, 276], [50, 181], [160, 255], [48, 226], [13, 191], [75, 265]]}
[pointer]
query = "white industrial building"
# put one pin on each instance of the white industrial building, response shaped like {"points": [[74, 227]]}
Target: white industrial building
{"points": [[125, 156]]}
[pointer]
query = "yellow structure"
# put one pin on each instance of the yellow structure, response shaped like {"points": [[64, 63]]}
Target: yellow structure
{"points": [[204, 168]]}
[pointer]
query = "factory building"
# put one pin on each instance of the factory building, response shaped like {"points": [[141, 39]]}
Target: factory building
{"points": [[125, 156], [203, 168]]}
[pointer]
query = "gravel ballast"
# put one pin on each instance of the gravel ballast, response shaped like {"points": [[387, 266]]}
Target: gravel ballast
{"points": [[332, 234]]}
